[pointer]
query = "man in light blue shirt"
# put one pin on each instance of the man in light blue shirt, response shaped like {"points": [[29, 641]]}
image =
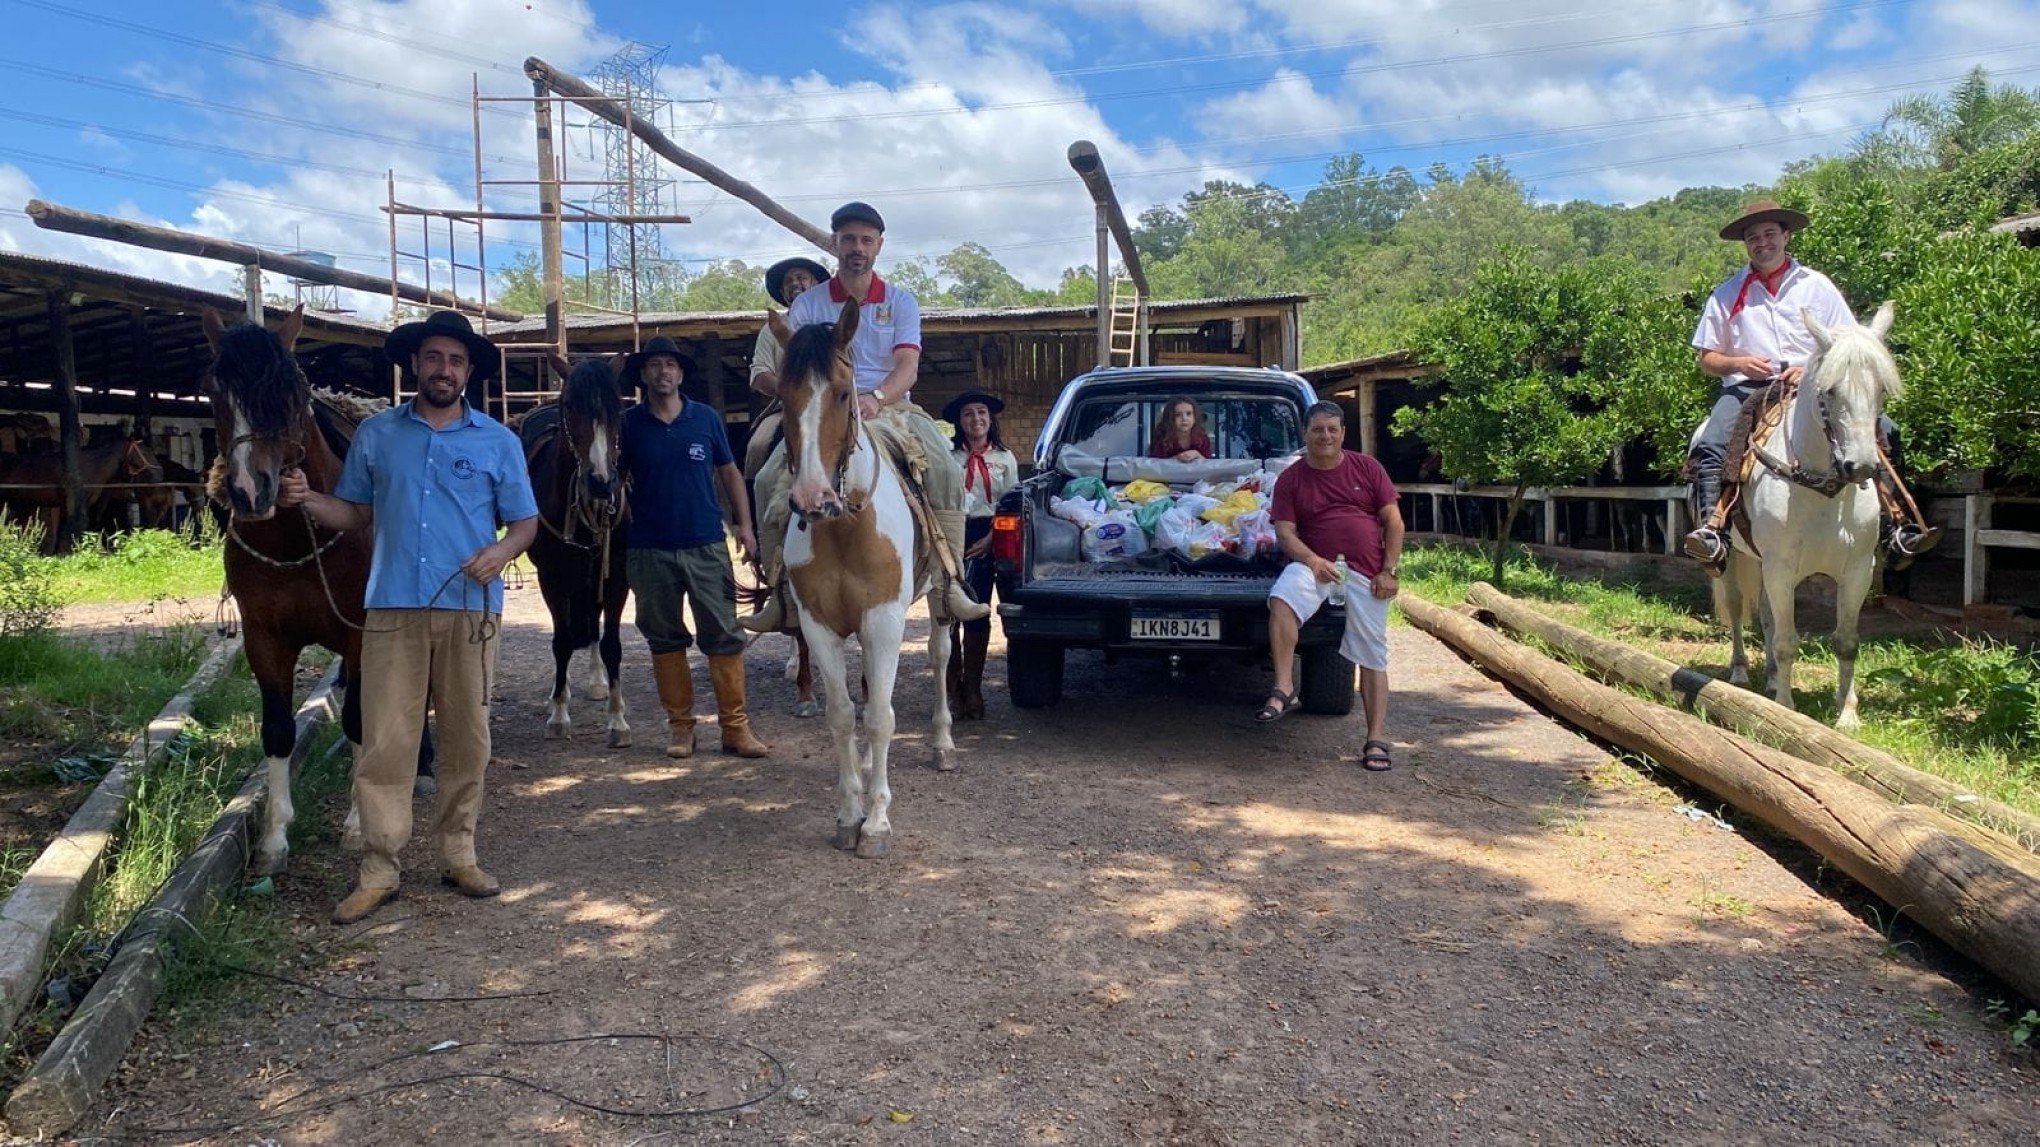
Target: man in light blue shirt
{"points": [[433, 477]]}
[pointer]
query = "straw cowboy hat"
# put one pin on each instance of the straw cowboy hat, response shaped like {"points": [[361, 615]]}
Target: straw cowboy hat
{"points": [[660, 344], [1762, 211], [954, 408], [775, 276], [404, 342]]}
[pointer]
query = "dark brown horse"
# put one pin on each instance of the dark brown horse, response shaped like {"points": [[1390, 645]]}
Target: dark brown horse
{"points": [[571, 452], [296, 585], [107, 470]]}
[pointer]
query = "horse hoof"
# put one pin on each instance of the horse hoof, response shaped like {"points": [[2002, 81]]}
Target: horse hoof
{"points": [[807, 708], [871, 846], [351, 839], [598, 692], [424, 786], [1738, 677], [270, 863], [945, 760], [846, 836], [557, 730], [619, 738]]}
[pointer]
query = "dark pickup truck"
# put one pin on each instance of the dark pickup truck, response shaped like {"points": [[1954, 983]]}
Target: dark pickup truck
{"points": [[1159, 603]]}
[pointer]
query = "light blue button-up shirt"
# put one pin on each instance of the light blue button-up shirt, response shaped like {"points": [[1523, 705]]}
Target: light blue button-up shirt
{"points": [[438, 496]]}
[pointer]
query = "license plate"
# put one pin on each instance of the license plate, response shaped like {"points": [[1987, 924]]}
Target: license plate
{"points": [[1191, 625]]}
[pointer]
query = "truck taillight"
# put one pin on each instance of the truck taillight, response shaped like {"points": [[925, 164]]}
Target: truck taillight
{"points": [[1006, 538]]}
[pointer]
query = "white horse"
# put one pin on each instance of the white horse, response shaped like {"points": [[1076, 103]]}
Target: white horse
{"points": [[850, 561], [1814, 509]]}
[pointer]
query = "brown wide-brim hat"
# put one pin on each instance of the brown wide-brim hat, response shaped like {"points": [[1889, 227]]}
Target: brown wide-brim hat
{"points": [[1763, 211], [775, 276], [403, 342], [660, 344]]}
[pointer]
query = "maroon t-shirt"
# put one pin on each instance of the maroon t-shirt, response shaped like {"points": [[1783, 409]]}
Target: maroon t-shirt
{"points": [[1169, 447], [1337, 511]]}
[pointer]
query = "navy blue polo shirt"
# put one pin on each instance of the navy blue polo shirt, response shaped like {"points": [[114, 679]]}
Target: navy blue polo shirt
{"points": [[671, 466], [438, 496]]}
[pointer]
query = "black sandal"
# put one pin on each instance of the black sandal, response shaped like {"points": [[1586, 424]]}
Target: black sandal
{"points": [[1277, 707], [1376, 756]]}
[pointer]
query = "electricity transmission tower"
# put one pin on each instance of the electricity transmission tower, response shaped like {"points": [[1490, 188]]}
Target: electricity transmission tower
{"points": [[635, 181]]}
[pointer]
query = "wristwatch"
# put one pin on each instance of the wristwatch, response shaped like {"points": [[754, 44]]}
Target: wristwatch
{"points": [[1390, 571]]}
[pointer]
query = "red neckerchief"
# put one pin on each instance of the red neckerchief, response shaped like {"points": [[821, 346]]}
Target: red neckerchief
{"points": [[974, 465], [1770, 282]]}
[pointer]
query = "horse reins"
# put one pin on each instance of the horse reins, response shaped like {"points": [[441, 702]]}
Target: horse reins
{"points": [[1826, 483]]}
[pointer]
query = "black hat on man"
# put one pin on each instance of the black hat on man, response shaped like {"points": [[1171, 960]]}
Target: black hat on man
{"points": [[403, 342], [856, 212], [660, 344], [954, 408], [775, 276]]}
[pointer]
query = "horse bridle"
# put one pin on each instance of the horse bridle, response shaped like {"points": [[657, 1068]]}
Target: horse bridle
{"points": [[1826, 483], [600, 516], [841, 471], [294, 454]]}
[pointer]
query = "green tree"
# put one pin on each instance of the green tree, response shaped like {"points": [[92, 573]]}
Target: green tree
{"points": [[727, 286], [1941, 131], [980, 280], [1353, 203], [1968, 343], [1225, 253], [914, 275], [1079, 287], [1544, 372]]}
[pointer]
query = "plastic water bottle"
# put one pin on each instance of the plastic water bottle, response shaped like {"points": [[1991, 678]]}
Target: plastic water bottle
{"points": [[1337, 595]]}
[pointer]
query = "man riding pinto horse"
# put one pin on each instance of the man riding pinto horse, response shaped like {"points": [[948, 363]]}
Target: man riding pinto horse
{"points": [[1751, 336], [886, 356]]}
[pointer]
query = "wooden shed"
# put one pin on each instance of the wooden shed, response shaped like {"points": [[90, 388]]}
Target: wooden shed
{"points": [[1022, 354], [1372, 389]]}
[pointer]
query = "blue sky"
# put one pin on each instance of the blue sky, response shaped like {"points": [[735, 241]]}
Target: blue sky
{"points": [[272, 121]]}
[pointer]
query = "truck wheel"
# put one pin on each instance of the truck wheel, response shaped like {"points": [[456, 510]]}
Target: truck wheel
{"points": [[1328, 682], [1034, 673]]}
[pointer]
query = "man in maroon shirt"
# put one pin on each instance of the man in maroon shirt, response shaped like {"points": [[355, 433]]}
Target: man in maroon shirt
{"points": [[1335, 503]]}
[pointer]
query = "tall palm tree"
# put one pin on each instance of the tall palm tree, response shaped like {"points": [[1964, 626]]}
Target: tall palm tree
{"points": [[1939, 131]]}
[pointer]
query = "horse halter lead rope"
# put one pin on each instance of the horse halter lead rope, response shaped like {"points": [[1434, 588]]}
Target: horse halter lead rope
{"points": [[1827, 483]]}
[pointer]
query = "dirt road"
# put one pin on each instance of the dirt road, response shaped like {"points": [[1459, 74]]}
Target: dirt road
{"points": [[1136, 918]]}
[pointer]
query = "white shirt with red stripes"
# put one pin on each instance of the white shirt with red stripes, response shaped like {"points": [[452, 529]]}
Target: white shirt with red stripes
{"points": [[888, 318], [1743, 317]]}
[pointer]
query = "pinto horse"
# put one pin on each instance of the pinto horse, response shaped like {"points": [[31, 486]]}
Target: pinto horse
{"points": [[296, 584], [580, 549], [851, 563], [1815, 510]]}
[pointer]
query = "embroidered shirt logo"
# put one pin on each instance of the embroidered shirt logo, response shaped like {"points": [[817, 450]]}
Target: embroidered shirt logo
{"points": [[882, 313], [463, 468], [697, 452]]}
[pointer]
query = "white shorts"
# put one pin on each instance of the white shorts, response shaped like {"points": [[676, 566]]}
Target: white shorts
{"points": [[1366, 640]]}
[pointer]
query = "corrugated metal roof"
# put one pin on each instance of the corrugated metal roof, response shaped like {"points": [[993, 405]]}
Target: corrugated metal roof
{"points": [[185, 296], [2019, 224], [1394, 358]]}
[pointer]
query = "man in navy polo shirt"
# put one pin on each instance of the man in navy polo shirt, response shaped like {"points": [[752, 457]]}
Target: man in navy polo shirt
{"points": [[674, 452], [433, 477], [886, 357]]}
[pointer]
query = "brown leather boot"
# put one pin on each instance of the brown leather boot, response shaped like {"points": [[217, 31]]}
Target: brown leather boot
{"points": [[975, 643], [676, 692], [726, 670]]}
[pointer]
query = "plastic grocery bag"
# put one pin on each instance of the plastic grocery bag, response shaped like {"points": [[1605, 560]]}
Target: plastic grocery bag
{"points": [[1257, 533], [1150, 513], [1195, 504], [1089, 489], [1172, 529], [1209, 538], [1240, 502], [1116, 537], [1083, 513], [1144, 490]]}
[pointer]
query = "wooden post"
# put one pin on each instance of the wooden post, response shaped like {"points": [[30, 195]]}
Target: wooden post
{"points": [[1550, 519], [1675, 524], [1104, 289], [1975, 555], [1369, 413], [70, 428], [143, 376], [550, 257], [251, 291]]}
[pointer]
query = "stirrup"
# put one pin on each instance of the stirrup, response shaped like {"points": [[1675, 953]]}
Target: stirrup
{"points": [[958, 605], [1912, 539], [1706, 545]]}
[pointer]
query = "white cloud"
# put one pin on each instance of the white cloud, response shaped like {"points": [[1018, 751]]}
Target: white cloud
{"points": [[1288, 104]]}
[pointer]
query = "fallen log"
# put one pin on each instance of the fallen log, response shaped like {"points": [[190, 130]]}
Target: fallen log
{"points": [[1755, 715], [1967, 886], [58, 1091]]}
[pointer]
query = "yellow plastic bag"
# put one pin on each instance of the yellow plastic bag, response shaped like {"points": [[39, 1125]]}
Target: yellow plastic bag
{"points": [[1143, 490], [1239, 502]]}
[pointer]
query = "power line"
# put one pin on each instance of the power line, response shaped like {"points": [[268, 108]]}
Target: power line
{"points": [[390, 38]]}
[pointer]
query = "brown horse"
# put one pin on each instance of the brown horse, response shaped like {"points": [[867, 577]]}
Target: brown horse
{"points": [[571, 454], [109, 464], [296, 585]]}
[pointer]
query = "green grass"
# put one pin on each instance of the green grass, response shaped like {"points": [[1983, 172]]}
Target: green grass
{"points": [[56, 690], [144, 565], [1962, 709]]}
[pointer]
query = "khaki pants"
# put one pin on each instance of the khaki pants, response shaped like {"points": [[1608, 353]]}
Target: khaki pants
{"points": [[409, 658], [943, 482]]}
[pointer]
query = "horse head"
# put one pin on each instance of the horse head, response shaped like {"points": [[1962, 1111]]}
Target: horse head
{"points": [[818, 390], [591, 415], [261, 401], [1851, 375]]}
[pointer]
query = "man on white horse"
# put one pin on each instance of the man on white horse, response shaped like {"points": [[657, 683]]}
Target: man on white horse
{"points": [[1751, 335], [886, 356]]}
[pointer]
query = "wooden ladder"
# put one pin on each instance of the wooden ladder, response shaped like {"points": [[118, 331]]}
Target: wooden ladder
{"points": [[1124, 345]]}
